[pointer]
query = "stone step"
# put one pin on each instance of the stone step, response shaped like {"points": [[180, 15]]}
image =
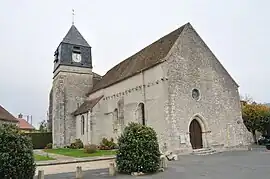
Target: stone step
{"points": [[204, 151]]}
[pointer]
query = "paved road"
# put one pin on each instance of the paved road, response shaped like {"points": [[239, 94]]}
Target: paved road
{"points": [[232, 165], [64, 168]]}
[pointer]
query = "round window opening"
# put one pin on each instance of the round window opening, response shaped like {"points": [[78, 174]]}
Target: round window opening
{"points": [[195, 94]]}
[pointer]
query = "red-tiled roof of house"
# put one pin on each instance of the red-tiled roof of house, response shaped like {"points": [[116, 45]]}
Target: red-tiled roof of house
{"points": [[23, 124], [6, 116]]}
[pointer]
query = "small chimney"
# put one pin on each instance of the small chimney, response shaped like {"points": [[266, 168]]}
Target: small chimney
{"points": [[20, 115]]}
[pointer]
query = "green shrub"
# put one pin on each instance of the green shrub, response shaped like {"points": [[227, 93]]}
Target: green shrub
{"points": [[73, 145], [92, 148], [40, 139], [107, 144], [49, 146], [78, 144], [138, 150], [16, 154]]}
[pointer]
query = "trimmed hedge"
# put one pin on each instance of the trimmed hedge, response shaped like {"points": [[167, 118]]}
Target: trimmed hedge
{"points": [[138, 150], [16, 154], [40, 140]]}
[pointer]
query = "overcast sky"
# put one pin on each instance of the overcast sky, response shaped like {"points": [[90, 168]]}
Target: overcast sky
{"points": [[30, 30]]}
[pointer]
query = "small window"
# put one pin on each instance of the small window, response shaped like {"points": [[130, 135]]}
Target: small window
{"points": [[82, 125], [115, 120], [195, 94], [116, 114], [76, 49]]}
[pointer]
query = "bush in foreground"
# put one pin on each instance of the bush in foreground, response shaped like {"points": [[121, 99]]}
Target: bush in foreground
{"points": [[138, 150], [78, 144], [92, 148], [16, 154]]}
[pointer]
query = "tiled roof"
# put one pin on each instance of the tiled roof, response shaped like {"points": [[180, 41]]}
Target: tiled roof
{"points": [[23, 124], [86, 106], [96, 78], [74, 37], [142, 60], [6, 116]]}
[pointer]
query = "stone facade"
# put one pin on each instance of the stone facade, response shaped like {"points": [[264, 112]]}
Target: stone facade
{"points": [[189, 83], [49, 121], [70, 85], [191, 65]]}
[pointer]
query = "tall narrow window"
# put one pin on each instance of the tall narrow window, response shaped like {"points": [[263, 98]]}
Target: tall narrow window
{"points": [[116, 114], [115, 120], [141, 113], [83, 124]]}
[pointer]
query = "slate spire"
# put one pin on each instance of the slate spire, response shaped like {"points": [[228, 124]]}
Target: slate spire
{"points": [[74, 37]]}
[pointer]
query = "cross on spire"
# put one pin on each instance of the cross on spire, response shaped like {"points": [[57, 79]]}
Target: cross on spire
{"points": [[73, 16]]}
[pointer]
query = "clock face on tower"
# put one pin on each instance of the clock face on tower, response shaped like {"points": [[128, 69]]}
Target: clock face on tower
{"points": [[76, 57]]}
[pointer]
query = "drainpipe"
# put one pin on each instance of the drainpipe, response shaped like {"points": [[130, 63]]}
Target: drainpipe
{"points": [[91, 125], [64, 111], [87, 128]]}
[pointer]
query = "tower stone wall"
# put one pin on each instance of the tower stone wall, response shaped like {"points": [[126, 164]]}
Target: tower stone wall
{"points": [[70, 85]]}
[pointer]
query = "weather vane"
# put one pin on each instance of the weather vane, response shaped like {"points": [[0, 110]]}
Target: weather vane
{"points": [[73, 14]]}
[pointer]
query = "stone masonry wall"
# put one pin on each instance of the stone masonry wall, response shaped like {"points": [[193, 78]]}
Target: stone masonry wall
{"points": [[166, 91], [147, 87], [191, 65], [69, 88], [50, 111]]}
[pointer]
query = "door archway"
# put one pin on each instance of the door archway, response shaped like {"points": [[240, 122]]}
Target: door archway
{"points": [[195, 134]]}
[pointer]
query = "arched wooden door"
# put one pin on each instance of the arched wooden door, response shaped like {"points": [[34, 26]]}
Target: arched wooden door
{"points": [[195, 134]]}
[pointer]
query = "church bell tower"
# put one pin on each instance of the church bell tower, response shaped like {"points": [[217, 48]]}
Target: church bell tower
{"points": [[72, 79]]}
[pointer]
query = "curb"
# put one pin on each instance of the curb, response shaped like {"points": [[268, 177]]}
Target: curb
{"points": [[73, 161]]}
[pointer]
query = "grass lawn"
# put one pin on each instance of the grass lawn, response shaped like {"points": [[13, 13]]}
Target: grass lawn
{"points": [[80, 152], [42, 158]]}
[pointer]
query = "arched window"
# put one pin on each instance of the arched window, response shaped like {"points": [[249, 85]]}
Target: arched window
{"points": [[120, 107], [141, 113], [115, 120], [82, 125], [115, 114]]}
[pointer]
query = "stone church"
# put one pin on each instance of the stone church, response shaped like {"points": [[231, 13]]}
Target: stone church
{"points": [[175, 85]]}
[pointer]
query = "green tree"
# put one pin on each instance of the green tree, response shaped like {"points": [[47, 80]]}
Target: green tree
{"points": [[138, 150], [256, 118], [264, 120], [43, 126], [16, 154]]}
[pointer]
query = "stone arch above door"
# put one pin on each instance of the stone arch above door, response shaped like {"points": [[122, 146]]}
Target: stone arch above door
{"points": [[203, 127], [195, 134]]}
